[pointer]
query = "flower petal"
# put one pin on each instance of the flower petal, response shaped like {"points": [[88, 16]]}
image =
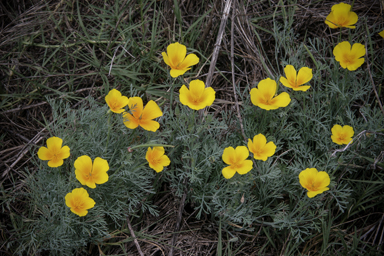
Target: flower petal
{"points": [[130, 121], [312, 194], [151, 111], [291, 74], [348, 130], [184, 95], [307, 176], [176, 54], [322, 180], [166, 59], [302, 88], [83, 167], [44, 153], [241, 153], [229, 156], [190, 60], [178, 72], [228, 172], [54, 144], [282, 100], [196, 88], [99, 170], [269, 150], [245, 167], [304, 76], [150, 125], [356, 64], [55, 162], [136, 106]]}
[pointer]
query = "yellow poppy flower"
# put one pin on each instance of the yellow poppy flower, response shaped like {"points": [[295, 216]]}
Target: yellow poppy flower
{"points": [[296, 81], [236, 159], [156, 158], [381, 34], [342, 135], [115, 101], [341, 16], [54, 152], [349, 57], [91, 174], [79, 201], [260, 148], [197, 96], [314, 181], [142, 116], [175, 58], [264, 96]]}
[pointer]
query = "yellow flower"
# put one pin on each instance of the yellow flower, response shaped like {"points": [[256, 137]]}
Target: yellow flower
{"points": [[294, 80], [54, 152], [91, 174], [342, 135], [236, 158], [175, 58], [156, 158], [79, 201], [142, 116], [381, 34], [263, 96], [349, 57], [314, 181], [115, 101], [260, 148], [341, 16], [197, 97]]}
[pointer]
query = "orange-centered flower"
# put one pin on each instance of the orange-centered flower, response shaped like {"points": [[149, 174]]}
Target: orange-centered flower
{"points": [[260, 148], [79, 201], [197, 97], [342, 135], [349, 57], [296, 81], [115, 101], [175, 58], [142, 116], [264, 96], [54, 152], [314, 181], [156, 158], [236, 159], [91, 174], [341, 16]]}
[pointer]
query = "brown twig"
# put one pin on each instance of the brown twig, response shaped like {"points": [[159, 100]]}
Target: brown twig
{"points": [[370, 76], [134, 237], [233, 71], [218, 42]]}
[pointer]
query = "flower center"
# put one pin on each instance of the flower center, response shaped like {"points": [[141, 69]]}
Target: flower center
{"points": [[78, 204], [349, 59]]}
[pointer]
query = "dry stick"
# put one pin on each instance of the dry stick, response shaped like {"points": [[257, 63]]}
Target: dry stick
{"points": [[134, 237], [178, 221], [218, 42], [233, 71], [370, 76]]}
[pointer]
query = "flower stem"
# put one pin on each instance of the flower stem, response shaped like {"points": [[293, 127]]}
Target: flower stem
{"points": [[109, 129]]}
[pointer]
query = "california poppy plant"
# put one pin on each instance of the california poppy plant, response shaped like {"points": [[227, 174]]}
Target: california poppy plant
{"points": [[79, 201], [349, 57], [91, 174], [236, 159], [342, 135], [197, 96], [264, 96], [157, 159], [295, 80], [314, 181], [341, 16], [176, 59], [116, 101], [260, 148], [142, 116], [54, 152]]}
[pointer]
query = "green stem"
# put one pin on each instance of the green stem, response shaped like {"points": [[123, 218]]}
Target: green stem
{"points": [[109, 128]]}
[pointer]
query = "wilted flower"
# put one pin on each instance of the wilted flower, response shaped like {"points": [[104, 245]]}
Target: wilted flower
{"points": [[296, 81], [142, 116], [236, 158], [264, 96], [342, 135], [54, 152], [197, 97], [381, 33], [79, 201], [314, 181], [341, 16], [115, 101], [175, 58], [348, 57], [156, 158], [260, 148], [91, 174]]}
